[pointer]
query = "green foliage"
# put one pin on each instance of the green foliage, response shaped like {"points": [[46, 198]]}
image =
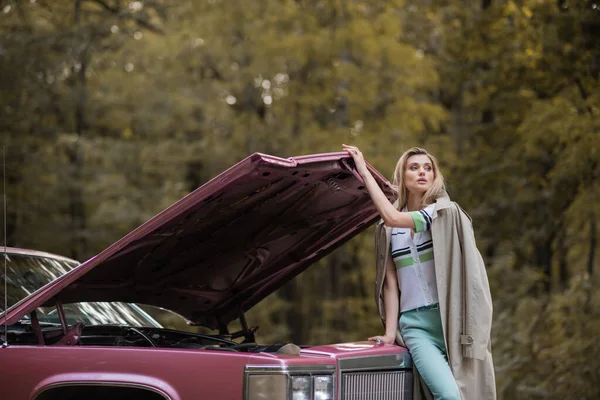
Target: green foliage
{"points": [[544, 345], [521, 79], [113, 110]]}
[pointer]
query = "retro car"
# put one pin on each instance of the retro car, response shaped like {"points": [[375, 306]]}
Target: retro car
{"points": [[210, 258]]}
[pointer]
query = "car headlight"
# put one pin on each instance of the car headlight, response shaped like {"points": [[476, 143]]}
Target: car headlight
{"points": [[267, 387], [301, 387], [289, 383], [323, 387]]}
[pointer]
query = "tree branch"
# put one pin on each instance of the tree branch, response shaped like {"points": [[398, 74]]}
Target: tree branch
{"points": [[584, 95], [139, 20]]}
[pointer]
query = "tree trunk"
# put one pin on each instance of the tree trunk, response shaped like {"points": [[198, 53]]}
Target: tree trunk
{"points": [[563, 271], [593, 244], [293, 318], [542, 257]]}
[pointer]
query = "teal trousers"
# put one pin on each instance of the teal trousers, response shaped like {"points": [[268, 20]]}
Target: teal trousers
{"points": [[423, 335]]}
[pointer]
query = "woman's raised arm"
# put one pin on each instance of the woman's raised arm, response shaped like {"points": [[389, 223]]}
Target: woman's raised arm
{"points": [[390, 215]]}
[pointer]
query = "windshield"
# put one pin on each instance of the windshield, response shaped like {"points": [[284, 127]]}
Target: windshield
{"points": [[97, 313], [27, 273]]}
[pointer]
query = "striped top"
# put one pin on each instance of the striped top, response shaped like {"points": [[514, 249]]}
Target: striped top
{"points": [[415, 265]]}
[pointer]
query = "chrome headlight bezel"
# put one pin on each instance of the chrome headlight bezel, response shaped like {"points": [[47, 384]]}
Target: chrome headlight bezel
{"points": [[290, 372]]}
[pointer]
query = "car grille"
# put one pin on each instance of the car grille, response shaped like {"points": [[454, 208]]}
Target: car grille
{"points": [[376, 377], [385, 385]]}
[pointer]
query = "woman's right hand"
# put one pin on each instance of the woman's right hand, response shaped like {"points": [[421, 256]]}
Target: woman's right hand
{"points": [[359, 159], [383, 339]]}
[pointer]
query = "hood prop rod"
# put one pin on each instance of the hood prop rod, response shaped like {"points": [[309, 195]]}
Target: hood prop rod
{"points": [[35, 323], [61, 316], [247, 332]]}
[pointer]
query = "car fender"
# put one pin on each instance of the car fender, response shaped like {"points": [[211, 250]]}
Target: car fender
{"points": [[110, 379]]}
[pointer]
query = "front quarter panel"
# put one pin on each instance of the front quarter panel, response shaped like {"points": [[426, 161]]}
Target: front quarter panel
{"points": [[179, 374]]}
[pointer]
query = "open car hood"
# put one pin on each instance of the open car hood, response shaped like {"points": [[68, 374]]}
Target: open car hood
{"points": [[230, 243]]}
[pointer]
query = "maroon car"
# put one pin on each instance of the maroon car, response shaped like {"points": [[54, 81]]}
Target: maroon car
{"points": [[210, 257]]}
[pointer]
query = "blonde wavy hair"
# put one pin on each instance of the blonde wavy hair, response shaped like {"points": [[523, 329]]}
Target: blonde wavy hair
{"points": [[437, 189]]}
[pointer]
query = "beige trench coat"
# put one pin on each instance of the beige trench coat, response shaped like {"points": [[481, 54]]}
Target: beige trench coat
{"points": [[464, 296]]}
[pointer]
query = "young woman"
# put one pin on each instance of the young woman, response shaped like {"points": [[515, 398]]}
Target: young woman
{"points": [[431, 275]]}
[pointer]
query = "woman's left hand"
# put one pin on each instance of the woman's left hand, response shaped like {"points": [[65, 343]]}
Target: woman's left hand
{"points": [[383, 339], [357, 156]]}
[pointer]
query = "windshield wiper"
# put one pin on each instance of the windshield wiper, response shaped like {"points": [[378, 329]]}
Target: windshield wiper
{"points": [[43, 324]]}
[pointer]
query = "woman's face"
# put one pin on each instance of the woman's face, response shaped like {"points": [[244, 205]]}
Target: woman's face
{"points": [[418, 176]]}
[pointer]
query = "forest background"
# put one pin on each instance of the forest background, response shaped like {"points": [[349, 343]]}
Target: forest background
{"points": [[111, 110]]}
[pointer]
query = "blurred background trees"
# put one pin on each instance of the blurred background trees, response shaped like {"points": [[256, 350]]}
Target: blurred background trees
{"points": [[111, 110]]}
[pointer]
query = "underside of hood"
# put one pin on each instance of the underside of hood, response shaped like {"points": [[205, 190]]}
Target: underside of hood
{"points": [[224, 247]]}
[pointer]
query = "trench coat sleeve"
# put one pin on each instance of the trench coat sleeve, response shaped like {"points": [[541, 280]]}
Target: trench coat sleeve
{"points": [[382, 234], [380, 237], [382, 243], [477, 297]]}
